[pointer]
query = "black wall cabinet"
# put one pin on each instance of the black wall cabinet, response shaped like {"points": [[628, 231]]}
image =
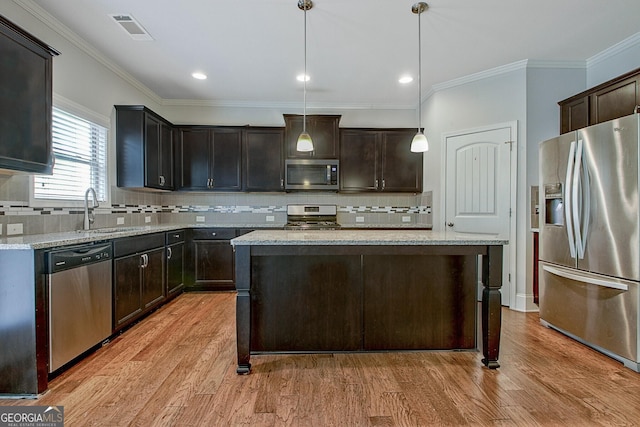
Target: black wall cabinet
{"points": [[25, 101]]}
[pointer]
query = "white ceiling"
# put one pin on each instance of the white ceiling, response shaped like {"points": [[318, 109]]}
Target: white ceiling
{"points": [[357, 49]]}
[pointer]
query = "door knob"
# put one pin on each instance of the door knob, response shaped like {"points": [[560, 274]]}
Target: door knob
{"points": [[449, 224]]}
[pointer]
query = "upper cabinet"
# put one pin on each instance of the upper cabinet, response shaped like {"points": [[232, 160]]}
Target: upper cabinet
{"points": [[379, 160], [263, 167], [25, 101], [144, 149], [324, 132], [210, 158], [616, 98]]}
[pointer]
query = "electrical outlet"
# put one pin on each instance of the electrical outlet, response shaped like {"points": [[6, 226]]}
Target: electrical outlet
{"points": [[271, 218], [359, 219], [199, 218], [13, 229], [147, 219], [406, 219], [120, 220], [428, 210]]}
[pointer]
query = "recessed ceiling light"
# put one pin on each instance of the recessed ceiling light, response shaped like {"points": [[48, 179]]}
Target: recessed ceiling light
{"points": [[302, 77], [199, 76], [405, 79]]}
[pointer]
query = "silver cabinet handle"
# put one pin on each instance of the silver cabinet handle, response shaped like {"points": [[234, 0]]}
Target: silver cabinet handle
{"points": [[376, 184], [162, 180], [282, 183], [169, 252], [383, 184], [144, 259]]}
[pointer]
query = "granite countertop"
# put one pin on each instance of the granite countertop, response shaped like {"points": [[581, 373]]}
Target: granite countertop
{"points": [[51, 240], [365, 237]]}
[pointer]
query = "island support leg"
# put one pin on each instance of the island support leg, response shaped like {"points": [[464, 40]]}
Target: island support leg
{"points": [[491, 306], [243, 308]]}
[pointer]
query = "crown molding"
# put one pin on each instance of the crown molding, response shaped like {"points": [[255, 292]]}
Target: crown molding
{"points": [[627, 43], [81, 44], [281, 105]]}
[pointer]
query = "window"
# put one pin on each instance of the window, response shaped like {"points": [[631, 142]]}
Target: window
{"points": [[80, 152]]}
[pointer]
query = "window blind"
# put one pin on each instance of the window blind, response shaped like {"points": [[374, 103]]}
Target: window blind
{"points": [[79, 148]]}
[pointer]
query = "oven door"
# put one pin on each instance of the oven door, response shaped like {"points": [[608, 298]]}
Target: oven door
{"points": [[310, 174]]}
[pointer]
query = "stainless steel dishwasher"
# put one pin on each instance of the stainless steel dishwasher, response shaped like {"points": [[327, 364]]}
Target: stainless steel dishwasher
{"points": [[80, 300]]}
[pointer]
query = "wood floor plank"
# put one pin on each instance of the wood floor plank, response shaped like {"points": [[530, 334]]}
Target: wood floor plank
{"points": [[177, 368]]}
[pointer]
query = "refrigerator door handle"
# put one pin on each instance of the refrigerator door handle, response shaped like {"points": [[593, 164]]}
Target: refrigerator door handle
{"points": [[568, 211], [586, 204], [585, 279], [575, 200]]}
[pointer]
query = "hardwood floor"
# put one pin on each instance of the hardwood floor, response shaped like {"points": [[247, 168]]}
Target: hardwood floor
{"points": [[177, 368]]}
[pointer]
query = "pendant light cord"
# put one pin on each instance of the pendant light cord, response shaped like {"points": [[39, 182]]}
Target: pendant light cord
{"points": [[419, 75], [304, 78]]}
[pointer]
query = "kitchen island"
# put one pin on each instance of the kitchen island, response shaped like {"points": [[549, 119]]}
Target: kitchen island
{"points": [[366, 290]]}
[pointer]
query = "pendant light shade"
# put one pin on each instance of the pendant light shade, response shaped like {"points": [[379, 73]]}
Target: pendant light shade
{"points": [[419, 143], [304, 140]]}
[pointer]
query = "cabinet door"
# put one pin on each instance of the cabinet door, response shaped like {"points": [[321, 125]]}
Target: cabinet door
{"points": [[175, 268], [227, 160], [25, 104], [126, 289], [359, 160], [214, 265], [166, 156], [324, 132], [152, 151], [263, 160], [153, 288], [574, 114], [401, 169], [195, 155], [615, 101]]}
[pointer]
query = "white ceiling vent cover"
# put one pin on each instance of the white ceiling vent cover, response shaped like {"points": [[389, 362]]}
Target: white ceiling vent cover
{"points": [[131, 26]]}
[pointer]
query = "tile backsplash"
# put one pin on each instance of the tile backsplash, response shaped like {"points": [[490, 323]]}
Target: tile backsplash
{"points": [[130, 208]]}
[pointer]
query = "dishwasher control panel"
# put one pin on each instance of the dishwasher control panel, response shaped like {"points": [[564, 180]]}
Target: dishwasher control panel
{"points": [[74, 256]]}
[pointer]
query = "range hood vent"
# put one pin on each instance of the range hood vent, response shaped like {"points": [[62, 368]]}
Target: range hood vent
{"points": [[131, 26]]}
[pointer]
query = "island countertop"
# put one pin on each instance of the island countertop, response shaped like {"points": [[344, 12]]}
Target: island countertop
{"points": [[365, 237]]}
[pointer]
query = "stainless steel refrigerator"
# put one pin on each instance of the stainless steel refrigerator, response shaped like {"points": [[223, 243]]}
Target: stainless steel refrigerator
{"points": [[589, 268]]}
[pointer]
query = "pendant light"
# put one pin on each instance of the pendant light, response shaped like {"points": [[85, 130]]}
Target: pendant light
{"points": [[304, 140], [419, 143]]}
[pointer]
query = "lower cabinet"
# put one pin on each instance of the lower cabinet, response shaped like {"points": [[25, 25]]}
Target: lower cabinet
{"points": [[138, 272], [211, 259], [175, 262]]}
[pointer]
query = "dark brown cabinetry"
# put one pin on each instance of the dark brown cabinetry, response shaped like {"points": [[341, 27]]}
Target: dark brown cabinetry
{"points": [[211, 158], [174, 262], [263, 159], [138, 271], [324, 132], [610, 100], [25, 101], [144, 148], [379, 160], [212, 258]]}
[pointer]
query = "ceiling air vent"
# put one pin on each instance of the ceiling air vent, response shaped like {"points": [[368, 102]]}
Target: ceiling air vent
{"points": [[132, 27]]}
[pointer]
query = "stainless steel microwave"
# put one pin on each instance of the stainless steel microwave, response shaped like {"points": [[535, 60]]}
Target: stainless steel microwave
{"points": [[311, 174]]}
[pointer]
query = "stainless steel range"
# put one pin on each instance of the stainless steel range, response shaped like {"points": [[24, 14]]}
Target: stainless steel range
{"points": [[312, 217]]}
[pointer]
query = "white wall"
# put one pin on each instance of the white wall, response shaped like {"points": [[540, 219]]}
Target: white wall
{"points": [[614, 61]]}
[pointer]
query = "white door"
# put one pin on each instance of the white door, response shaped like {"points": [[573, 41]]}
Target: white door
{"points": [[479, 183]]}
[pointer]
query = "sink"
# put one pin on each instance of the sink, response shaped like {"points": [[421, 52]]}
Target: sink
{"points": [[111, 229]]}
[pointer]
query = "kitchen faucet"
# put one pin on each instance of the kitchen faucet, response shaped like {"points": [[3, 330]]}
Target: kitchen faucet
{"points": [[89, 217]]}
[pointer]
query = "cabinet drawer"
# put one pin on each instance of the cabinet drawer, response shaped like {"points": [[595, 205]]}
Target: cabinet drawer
{"points": [[131, 245], [214, 234], [176, 236]]}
